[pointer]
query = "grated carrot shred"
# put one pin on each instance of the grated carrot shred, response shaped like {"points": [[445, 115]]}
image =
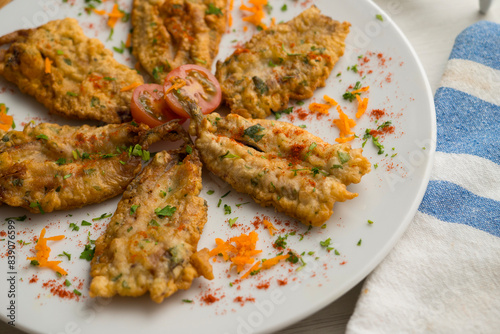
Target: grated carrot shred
{"points": [[330, 100], [5, 120], [265, 265], [362, 89], [320, 107], [239, 250], [270, 226], [43, 253], [362, 106], [48, 65], [178, 84], [113, 16], [253, 268], [257, 11], [344, 124], [130, 87], [230, 15], [128, 43]]}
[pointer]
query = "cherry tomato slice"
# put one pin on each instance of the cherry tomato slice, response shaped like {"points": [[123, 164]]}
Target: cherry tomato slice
{"points": [[149, 106], [195, 83]]}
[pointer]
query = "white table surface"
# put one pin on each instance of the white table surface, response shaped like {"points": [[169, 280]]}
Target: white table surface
{"points": [[431, 27]]}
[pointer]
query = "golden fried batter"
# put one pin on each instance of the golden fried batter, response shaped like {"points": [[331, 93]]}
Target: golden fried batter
{"points": [[150, 243], [171, 33], [51, 167], [84, 82], [279, 164], [289, 60]]}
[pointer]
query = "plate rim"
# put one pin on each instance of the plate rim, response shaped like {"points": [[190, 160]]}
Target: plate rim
{"points": [[398, 233]]}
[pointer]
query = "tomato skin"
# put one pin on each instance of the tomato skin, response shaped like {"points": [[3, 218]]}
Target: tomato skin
{"points": [[148, 106], [199, 85]]}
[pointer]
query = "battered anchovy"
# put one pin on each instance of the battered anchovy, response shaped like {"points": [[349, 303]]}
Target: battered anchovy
{"points": [[150, 243], [289, 60], [279, 164], [171, 33], [51, 167], [69, 73]]}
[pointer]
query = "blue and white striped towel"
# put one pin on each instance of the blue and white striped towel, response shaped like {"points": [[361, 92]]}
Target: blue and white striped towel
{"points": [[444, 274]]}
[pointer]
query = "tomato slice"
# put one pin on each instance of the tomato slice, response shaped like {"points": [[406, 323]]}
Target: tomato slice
{"points": [[192, 82], [149, 106]]}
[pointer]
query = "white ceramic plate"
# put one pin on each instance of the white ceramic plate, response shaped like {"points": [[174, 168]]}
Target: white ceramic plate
{"points": [[389, 196]]}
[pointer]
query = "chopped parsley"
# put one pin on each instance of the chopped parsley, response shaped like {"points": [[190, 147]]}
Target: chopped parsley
{"points": [[284, 8], [19, 219], [349, 95], [120, 49], [343, 157], [384, 125], [187, 300], [287, 111], [138, 151], [210, 192], [213, 10], [65, 254], [375, 141], [74, 227], [232, 221], [370, 222], [379, 17], [67, 283], [227, 209], [260, 85], [71, 94], [240, 204], [154, 223], [76, 292], [359, 242], [226, 194], [86, 223], [310, 150], [156, 71], [88, 253], [167, 211], [327, 244], [133, 209], [37, 205], [61, 161], [229, 156], [253, 131], [189, 149], [281, 241], [103, 216], [42, 137], [292, 257]]}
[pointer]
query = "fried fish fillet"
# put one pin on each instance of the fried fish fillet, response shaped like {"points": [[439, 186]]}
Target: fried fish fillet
{"points": [[150, 243], [289, 60], [51, 167], [69, 73], [171, 33], [279, 164]]}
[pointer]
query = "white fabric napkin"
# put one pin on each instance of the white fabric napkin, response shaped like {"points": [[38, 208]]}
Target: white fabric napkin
{"points": [[443, 276]]}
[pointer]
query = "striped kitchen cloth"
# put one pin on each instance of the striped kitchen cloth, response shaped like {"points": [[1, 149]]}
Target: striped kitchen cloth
{"points": [[443, 276]]}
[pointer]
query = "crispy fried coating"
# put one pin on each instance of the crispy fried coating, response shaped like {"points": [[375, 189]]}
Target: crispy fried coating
{"points": [[84, 82], [289, 60], [279, 164], [51, 167], [171, 33], [150, 243]]}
